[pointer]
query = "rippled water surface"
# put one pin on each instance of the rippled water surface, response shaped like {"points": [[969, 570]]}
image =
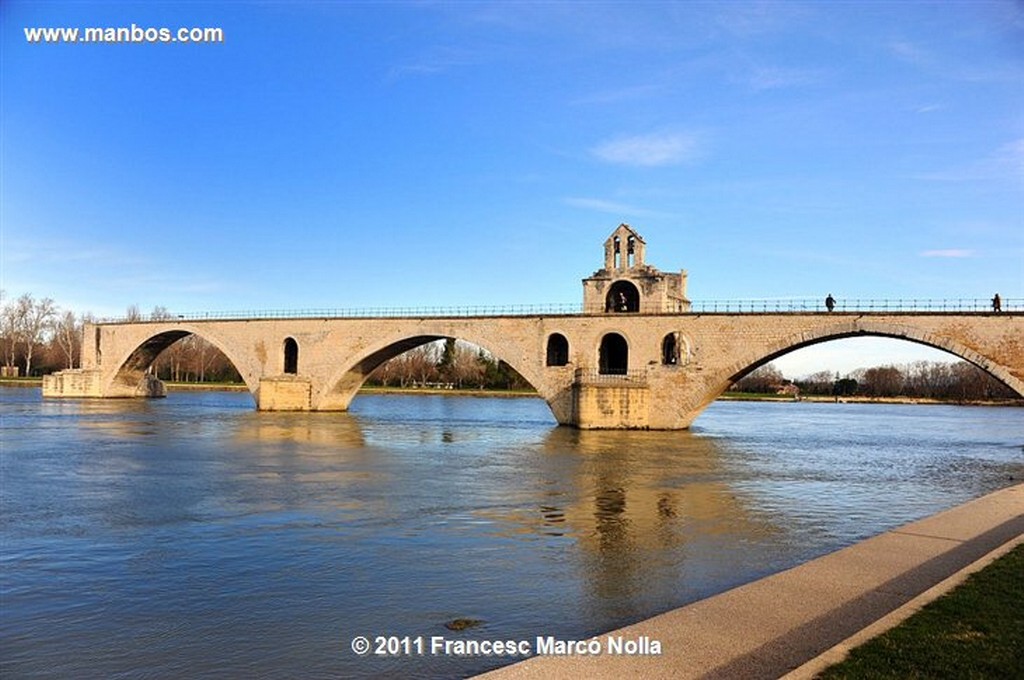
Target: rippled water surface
{"points": [[195, 537]]}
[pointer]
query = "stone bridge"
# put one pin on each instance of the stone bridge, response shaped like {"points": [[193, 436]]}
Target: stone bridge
{"points": [[604, 370], [637, 357]]}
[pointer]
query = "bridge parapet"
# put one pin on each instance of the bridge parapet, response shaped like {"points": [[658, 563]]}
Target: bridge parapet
{"points": [[731, 306]]}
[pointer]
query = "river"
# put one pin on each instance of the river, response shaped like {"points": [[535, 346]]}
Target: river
{"points": [[195, 537]]}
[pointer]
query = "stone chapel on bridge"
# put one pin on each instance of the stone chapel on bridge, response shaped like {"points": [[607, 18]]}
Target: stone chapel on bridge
{"points": [[627, 283]]}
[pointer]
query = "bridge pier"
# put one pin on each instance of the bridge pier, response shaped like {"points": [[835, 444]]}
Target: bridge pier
{"points": [[86, 383], [285, 393], [610, 402]]}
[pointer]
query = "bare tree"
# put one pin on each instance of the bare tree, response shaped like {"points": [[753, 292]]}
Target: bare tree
{"points": [[132, 314], [159, 313], [882, 381], [35, 318], [765, 379], [68, 333], [9, 332], [818, 383]]}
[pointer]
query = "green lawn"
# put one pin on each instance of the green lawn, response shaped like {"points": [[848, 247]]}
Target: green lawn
{"points": [[975, 631]]}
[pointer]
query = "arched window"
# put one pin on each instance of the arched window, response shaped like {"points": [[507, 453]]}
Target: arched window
{"points": [[670, 350], [614, 355], [558, 350], [291, 356], [623, 296]]}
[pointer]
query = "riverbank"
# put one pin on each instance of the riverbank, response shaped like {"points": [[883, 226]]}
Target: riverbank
{"points": [[473, 392], [770, 627], [823, 399]]}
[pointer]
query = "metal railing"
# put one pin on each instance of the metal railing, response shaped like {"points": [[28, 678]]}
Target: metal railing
{"points": [[748, 306], [592, 376], [856, 305]]}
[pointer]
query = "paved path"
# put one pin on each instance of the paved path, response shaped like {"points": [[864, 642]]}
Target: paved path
{"points": [[769, 627]]}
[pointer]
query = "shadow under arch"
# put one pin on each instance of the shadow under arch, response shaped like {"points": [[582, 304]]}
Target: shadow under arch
{"points": [[343, 385], [860, 329], [132, 369]]}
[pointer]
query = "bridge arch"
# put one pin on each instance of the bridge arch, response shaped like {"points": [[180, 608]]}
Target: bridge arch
{"points": [[341, 387], [132, 366], [863, 328]]}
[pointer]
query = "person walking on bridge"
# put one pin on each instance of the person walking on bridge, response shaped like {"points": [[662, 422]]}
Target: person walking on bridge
{"points": [[997, 303], [830, 302]]}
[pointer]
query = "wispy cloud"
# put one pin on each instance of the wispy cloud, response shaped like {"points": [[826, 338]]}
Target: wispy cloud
{"points": [[1005, 163], [775, 78], [436, 61], [949, 252], [612, 207], [911, 53], [651, 150], [68, 253], [614, 96]]}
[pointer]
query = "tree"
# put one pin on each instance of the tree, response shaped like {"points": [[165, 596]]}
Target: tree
{"points": [[765, 379], [818, 383], [34, 318], [132, 314], [844, 387], [446, 364], [9, 332], [68, 333], [882, 381]]}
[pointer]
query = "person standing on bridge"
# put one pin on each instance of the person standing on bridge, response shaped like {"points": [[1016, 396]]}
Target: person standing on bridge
{"points": [[830, 302], [997, 303]]}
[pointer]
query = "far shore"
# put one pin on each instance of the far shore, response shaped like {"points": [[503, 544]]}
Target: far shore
{"points": [[474, 392]]}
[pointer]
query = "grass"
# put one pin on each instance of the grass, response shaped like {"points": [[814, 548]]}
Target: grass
{"points": [[974, 631]]}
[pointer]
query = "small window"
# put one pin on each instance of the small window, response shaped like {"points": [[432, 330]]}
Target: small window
{"points": [[558, 350], [670, 350], [291, 356]]}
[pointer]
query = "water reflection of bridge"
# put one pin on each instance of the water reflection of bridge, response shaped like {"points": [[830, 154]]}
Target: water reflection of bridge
{"points": [[644, 508]]}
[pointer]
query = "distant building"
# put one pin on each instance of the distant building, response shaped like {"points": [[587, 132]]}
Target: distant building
{"points": [[789, 389], [626, 284]]}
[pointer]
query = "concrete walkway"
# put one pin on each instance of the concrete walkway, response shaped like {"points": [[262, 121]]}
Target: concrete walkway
{"points": [[767, 628]]}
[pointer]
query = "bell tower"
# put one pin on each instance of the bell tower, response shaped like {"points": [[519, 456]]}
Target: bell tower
{"points": [[627, 284]]}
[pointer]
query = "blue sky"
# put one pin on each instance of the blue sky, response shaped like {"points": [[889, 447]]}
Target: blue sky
{"points": [[339, 155]]}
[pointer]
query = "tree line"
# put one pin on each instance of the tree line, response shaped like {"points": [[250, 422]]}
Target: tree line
{"points": [[38, 337], [451, 363], [959, 382]]}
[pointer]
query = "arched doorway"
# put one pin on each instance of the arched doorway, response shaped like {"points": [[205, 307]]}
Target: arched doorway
{"points": [[613, 357], [558, 350], [291, 356], [623, 297]]}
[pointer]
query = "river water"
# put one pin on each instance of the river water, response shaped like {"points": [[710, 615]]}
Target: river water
{"points": [[196, 537]]}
